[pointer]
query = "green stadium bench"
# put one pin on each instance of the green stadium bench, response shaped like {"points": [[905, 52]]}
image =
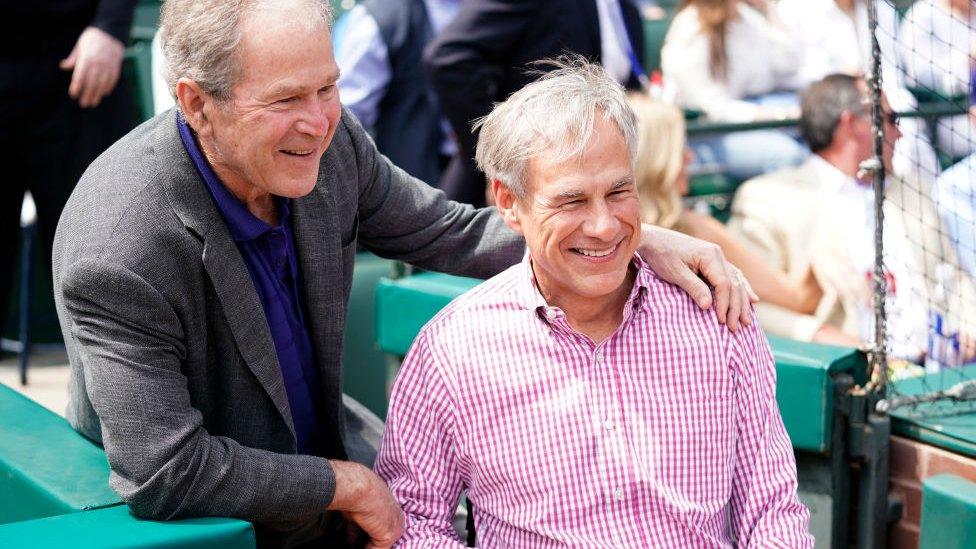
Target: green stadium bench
{"points": [[364, 364], [654, 32], [54, 491], [404, 305], [115, 527], [948, 512], [952, 429], [46, 468]]}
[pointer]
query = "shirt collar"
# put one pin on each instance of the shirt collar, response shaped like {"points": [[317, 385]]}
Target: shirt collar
{"points": [[531, 298], [832, 180], [242, 224]]}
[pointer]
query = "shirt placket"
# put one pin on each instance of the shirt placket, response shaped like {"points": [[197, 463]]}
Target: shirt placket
{"points": [[614, 455]]}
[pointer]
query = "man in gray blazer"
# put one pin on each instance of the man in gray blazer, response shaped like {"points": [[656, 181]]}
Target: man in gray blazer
{"points": [[202, 271]]}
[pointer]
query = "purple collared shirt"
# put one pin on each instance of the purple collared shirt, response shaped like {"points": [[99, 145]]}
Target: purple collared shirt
{"points": [[271, 259]]}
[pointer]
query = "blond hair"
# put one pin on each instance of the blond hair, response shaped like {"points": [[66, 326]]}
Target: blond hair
{"points": [[660, 157]]}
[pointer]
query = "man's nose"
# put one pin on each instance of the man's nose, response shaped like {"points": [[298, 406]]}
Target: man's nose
{"points": [[601, 223], [314, 121]]}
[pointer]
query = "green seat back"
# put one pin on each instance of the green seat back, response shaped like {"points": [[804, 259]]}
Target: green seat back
{"points": [[46, 468], [115, 527], [364, 364], [948, 512]]}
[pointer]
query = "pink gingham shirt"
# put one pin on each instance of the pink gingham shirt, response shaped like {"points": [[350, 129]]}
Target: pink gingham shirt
{"points": [[667, 434]]}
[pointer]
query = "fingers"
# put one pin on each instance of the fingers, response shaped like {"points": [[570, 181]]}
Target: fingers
{"points": [[68, 63], [733, 315], [365, 500], [96, 62], [718, 273]]}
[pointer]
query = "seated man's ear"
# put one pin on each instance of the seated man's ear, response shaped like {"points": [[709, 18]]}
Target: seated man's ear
{"points": [[505, 202], [195, 104]]}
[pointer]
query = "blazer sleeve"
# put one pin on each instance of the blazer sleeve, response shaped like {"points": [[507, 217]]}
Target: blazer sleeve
{"points": [[115, 18], [401, 217], [467, 63], [164, 463]]}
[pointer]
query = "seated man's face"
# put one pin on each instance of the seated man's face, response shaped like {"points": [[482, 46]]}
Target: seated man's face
{"points": [[284, 107], [580, 218]]}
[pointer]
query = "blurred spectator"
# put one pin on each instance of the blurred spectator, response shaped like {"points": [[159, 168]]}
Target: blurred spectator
{"points": [[833, 37], [822, 214], [937, 41], [162, 99], [733, 60], [383, 82], [662, 179], [61, 105], [487, 52], [956, 198]]}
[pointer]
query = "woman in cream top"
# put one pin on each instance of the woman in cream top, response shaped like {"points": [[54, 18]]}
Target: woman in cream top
{"points": [[716, 71]]}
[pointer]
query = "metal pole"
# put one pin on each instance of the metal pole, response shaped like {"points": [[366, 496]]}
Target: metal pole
{"points": [[878, 356], [25, 289]]}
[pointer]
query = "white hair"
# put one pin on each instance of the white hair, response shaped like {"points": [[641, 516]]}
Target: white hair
{"points": [[201, 37], [553, 116]]}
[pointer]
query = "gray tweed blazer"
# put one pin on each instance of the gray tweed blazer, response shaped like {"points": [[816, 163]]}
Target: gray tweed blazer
{"points": [[173, 368]]}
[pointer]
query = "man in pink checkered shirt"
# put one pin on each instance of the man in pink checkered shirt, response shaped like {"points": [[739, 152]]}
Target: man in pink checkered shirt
{"points": [[577, 398]]}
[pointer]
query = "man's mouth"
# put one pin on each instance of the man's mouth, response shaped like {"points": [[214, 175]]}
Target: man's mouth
{"points": [[298, 152], [596, 252]]}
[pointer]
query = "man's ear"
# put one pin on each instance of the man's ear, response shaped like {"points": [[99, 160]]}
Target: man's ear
{"points": [[505, 202], [194, 104], [845, 126]]}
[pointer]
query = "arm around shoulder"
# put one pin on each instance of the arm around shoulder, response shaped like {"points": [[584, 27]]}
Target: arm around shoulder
{"points": [[403, 218]]}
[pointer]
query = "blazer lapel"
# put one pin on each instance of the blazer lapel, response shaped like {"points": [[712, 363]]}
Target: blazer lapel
{"points": [[222, 260], [317, 239]]}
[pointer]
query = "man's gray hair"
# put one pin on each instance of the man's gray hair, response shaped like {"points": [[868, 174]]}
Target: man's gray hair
{"points": [[552, 116], [201, 38], [823, 103]]}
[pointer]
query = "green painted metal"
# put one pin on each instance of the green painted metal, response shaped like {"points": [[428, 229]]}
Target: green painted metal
{"points": [[948, 512], [655, 30], [951, 426], [46, 468], [404, 305], [115, 527], [364, 364], [804, 388]]}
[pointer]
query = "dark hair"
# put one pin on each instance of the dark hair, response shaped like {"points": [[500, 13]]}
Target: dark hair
{"points": [[823, 103]]}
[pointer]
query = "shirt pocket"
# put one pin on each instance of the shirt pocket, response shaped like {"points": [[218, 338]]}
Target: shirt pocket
{"points": [[691, 453]]}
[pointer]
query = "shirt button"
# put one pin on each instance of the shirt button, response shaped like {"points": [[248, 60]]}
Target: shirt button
{"points": [[551, 314], [598, 356], [608, 425], [618, 494]]}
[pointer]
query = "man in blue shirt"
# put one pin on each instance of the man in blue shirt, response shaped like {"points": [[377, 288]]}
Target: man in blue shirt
{"points": [[380, 52], [202, 274]]}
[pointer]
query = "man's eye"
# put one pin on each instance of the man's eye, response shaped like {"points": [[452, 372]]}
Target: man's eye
{"points": [[327, 90], [573, 203], [286, 100]]}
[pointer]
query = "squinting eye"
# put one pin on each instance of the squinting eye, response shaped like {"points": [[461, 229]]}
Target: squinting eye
{"points": [[286, 100]]}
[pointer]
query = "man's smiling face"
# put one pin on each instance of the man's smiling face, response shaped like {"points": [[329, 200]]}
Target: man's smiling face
{"points": [[580, 218], [284, 107]]}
